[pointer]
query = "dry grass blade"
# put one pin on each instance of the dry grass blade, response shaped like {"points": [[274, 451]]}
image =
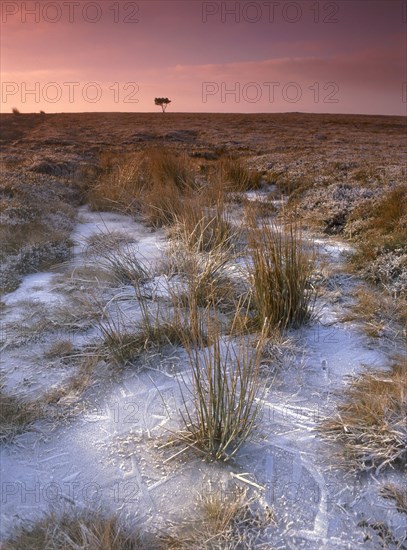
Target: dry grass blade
{"points": [[236, 177], [119, 257], [203, 229], [15, 415], [224, 520], [126, 338], [74, 531], [280, 274], [120, 185], [152, 183], [397, 494], [226, 388], [371, 423]]}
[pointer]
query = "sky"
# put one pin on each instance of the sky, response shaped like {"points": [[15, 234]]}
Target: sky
{"points": [[343, 56]]}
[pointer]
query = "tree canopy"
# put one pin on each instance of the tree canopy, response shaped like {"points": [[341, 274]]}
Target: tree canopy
{"points": [[163, 102]]}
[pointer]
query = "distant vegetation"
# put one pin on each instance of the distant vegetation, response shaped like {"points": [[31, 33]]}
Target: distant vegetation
{"points": [[163, 102]]}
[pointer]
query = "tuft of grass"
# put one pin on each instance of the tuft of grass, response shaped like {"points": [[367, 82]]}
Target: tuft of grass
{"points": [[225, 393], [125, 340], [208, 284], [71, 531], [203, 243], [202, 229], [222, 520], [236, 177], [280, 274], [165, 167], [390, 211], [119, 184], [371, 422], [151, 183], [118, 258]]}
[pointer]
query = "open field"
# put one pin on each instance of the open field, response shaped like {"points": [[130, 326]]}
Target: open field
{"points": [[202, 331]]}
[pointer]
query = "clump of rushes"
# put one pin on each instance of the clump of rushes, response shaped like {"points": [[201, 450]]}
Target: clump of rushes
{"points": [[125, 339], [236, 177], [371, 422], [280, 274], [225, 392], [119, 258], [119, 184], [162, 167], [152, 183], [203, 229]]}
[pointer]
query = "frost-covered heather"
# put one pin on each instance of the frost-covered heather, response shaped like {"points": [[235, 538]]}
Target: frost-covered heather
{"points": [[106, 430]]}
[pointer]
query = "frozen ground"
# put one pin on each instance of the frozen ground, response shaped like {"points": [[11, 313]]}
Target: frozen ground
{"points": [[108, 455]]}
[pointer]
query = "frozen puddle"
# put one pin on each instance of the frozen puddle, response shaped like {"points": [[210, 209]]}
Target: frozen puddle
{"points": [[147, 243], [107, 456]]}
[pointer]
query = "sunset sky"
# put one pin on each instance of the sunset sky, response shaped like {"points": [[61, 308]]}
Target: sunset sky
{"points": [[345, 56]]}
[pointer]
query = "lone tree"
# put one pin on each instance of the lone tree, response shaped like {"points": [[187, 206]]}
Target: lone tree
{"points": [[163, 102]]}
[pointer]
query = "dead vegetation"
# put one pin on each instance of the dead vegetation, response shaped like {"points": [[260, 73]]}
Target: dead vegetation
{"points": [[280, 275], [72, 530], [15, 415], [223, 520], [379, 229], [397, 494], [220, 410], [164, 187], [379, 313], [370, 424], [152, 184], [62, 403]]}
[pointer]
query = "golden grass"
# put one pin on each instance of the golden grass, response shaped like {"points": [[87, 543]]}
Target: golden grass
{"points": [[70, 531], [390, 211], [203, 229], [370, 424], [119, 185], [125, 339], [226, 388], [280, 274], [384, 227], [151, 183], [379, 313], [118, 258], [236, 176], [223, 520]]}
